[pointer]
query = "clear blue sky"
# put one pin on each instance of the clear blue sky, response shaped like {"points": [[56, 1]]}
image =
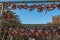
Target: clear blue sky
{"points": [[35, 17]]}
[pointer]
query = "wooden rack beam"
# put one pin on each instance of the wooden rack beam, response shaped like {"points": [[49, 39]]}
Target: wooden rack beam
{"points": [[29, 1]]}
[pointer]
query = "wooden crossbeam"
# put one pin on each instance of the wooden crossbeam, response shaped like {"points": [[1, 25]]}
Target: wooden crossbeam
{"points": [[32, 1]]}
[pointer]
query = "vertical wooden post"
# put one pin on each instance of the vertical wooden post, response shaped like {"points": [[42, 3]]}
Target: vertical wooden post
{"points": [[1, 23], [11, 37], [3, 36]]}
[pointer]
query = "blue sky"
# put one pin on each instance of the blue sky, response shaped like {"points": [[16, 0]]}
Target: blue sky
{"points": [[35, 17]]}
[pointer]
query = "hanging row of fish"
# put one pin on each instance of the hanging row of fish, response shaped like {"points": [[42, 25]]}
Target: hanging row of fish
{"points": [[39, 7], [33, 32]]}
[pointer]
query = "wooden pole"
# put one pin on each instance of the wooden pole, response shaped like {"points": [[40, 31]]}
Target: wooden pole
{"points": [[11, 37], [8, 37], [3, 36]]}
